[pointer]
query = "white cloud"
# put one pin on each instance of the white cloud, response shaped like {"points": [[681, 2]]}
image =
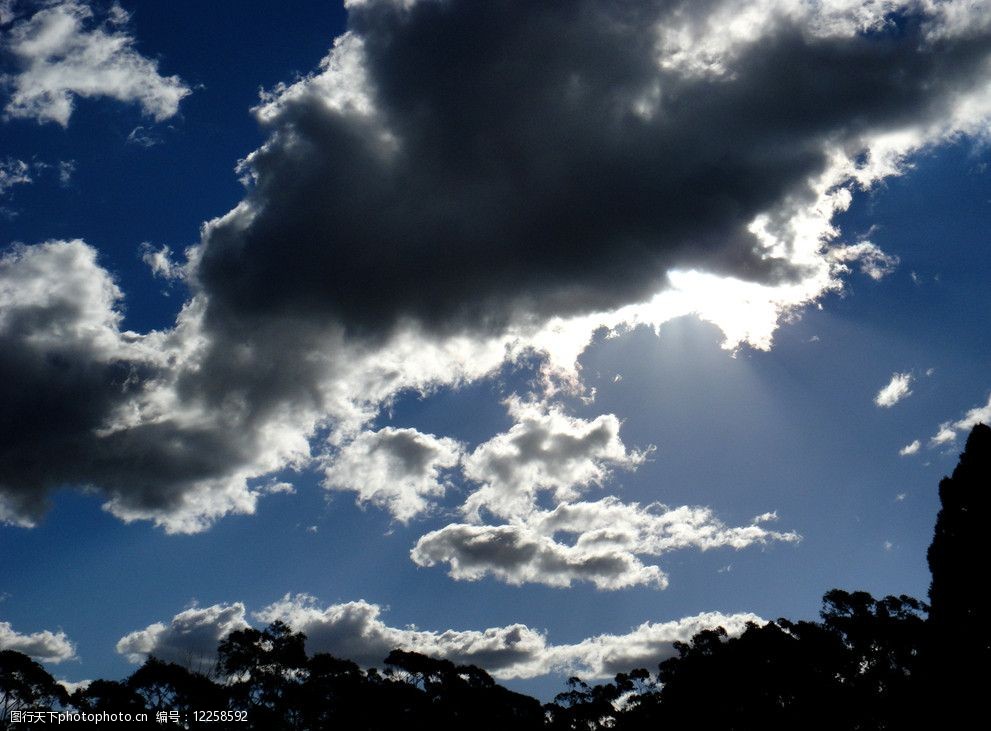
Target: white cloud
{"points": [[190, 639], [517, 554], [544, 450], [910, 449], [396, 469], [949, 430], [71, 686], [873, 262], [644, 646], [44, 646], [599, 542], [356, 631], [13, 172], [160, 262], [62, 52], [896, 390]]}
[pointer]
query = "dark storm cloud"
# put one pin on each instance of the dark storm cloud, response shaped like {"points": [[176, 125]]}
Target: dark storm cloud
{"points": [[504, 171], [462, 167], [68, 379]]}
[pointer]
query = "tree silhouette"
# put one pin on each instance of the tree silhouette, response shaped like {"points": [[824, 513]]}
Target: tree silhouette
{"points": [[169, 687], [24, 684], [959, 543], [959, 555], [107, 696], [584, 707], [782, 675], [338, 694], [265, 670], [461, 696]]}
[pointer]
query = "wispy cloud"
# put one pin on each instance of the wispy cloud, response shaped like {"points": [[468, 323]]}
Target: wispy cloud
{"points": [[873, 262], [949, 430], [13, 172]]}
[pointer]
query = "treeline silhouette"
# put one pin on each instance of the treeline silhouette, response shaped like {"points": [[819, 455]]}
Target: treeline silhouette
{"points": [[891, 663]]}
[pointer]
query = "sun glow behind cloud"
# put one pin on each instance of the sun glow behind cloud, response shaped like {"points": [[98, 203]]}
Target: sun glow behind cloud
{"points": [[412, 227], [320, 337]]}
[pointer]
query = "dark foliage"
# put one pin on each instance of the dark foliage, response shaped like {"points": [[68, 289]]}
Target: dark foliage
{"points": [[24, 684], [890, 663], [960, 647]]}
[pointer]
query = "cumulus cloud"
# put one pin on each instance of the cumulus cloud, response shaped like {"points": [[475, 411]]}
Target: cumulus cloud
{"points": [[61, 51], [179, 426], [544, 450], [189, 639], [587, 138], [43, 646], [459, 185], [89, 405], [356, 631], [898, 388], [599, 542], [397, 469]]}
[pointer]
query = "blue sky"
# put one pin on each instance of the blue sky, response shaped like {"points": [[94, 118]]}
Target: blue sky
{"points": [[506, 342]]}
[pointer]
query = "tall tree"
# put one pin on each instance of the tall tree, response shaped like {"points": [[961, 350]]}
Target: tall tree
{"points": [[960, 650], [25, 684], [264, 670], [960, 546]]}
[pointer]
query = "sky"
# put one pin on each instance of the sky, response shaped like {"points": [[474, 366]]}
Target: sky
{"points": [[537, 337]]}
